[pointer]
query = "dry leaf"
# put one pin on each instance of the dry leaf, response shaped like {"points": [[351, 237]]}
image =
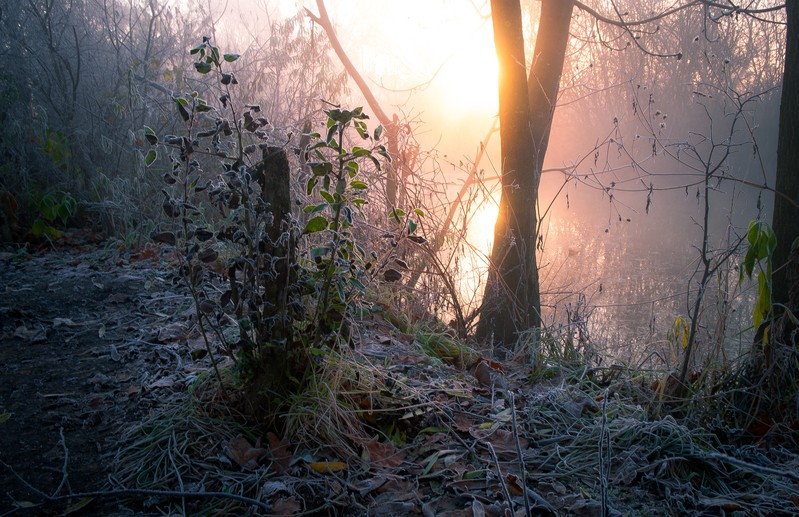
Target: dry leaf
{"points": [[279, 450], [382, 454], [327, 467], [244, 454], [163, 382], [286, 506], [500, 439], [172, 332]]}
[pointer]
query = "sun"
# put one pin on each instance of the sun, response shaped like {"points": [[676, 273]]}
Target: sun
{"points": [[469, 78]]}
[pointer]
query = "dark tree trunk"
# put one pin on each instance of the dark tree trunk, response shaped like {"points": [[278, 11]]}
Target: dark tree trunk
{"points": [[786, 213], [512, 300]]}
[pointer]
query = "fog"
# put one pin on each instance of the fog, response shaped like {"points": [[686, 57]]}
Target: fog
{"points": [[622, 222]]}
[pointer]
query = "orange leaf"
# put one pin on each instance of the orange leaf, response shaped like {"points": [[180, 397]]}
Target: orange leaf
{"points": [[326, 467], [244, 454]]}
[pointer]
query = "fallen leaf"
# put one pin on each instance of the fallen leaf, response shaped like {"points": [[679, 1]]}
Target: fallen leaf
{"points": [[367, 486], [463, 421], [57, 322], [133, 389], [327, 467], [172, 332], [271, 488], [244, 454], [279, 450], [286, 506], [117, 298], [163, 382], [500, 439], [34, 335], [382, 454]]}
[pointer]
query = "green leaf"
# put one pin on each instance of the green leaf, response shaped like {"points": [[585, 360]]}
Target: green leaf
{"points": [[311, 185], [319, 253], [70, 204], [375, 161], [51, 232], [358, 185], [150, 157], [397, 214], [202, 67], [378, 132], [231, 57], [181, 103], [63, 213], [150, 136], [317, 224], [419, 212], [315, 209], [327, 196], [47, 207], [412, 226], [341, 186], [331, 132], [321, 168], [38, 227]]}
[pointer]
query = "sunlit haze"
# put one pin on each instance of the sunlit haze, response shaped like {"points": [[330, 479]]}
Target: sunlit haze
{"points": [[433, 63]]}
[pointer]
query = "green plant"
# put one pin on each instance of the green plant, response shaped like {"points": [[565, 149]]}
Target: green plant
{"points": [[762, 243], [273, 291], [339, 263], [53, 208]]}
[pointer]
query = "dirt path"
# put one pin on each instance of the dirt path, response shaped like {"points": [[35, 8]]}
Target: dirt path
{"points": [[79, 355]]}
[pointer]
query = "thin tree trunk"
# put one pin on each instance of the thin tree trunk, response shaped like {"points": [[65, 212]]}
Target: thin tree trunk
{"points": [[391, 125], [785, 221]]}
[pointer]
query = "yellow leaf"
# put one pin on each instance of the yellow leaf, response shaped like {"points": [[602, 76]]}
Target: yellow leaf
{"points": [[79, 505], [326, 467]]}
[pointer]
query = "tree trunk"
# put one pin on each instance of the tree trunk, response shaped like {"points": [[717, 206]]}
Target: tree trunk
{"points": [[785, 221], [512, 300]]}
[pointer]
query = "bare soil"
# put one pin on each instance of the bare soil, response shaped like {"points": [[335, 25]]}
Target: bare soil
{"points": [[78, 347]]}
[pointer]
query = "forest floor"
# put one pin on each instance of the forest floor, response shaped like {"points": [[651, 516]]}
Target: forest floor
{"points": [[107, 408]]}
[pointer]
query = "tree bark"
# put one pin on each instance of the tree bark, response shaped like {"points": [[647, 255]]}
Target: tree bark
{"points": [[512, 299], [785, 220]]}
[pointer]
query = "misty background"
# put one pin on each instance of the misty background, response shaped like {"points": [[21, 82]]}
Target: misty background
{"points": [[633, 135]]}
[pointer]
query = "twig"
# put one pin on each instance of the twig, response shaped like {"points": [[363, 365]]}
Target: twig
{"points": [[65, 464], [501, 477], [133, 492], [519, 450], [22, 480], [760, 469]]}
